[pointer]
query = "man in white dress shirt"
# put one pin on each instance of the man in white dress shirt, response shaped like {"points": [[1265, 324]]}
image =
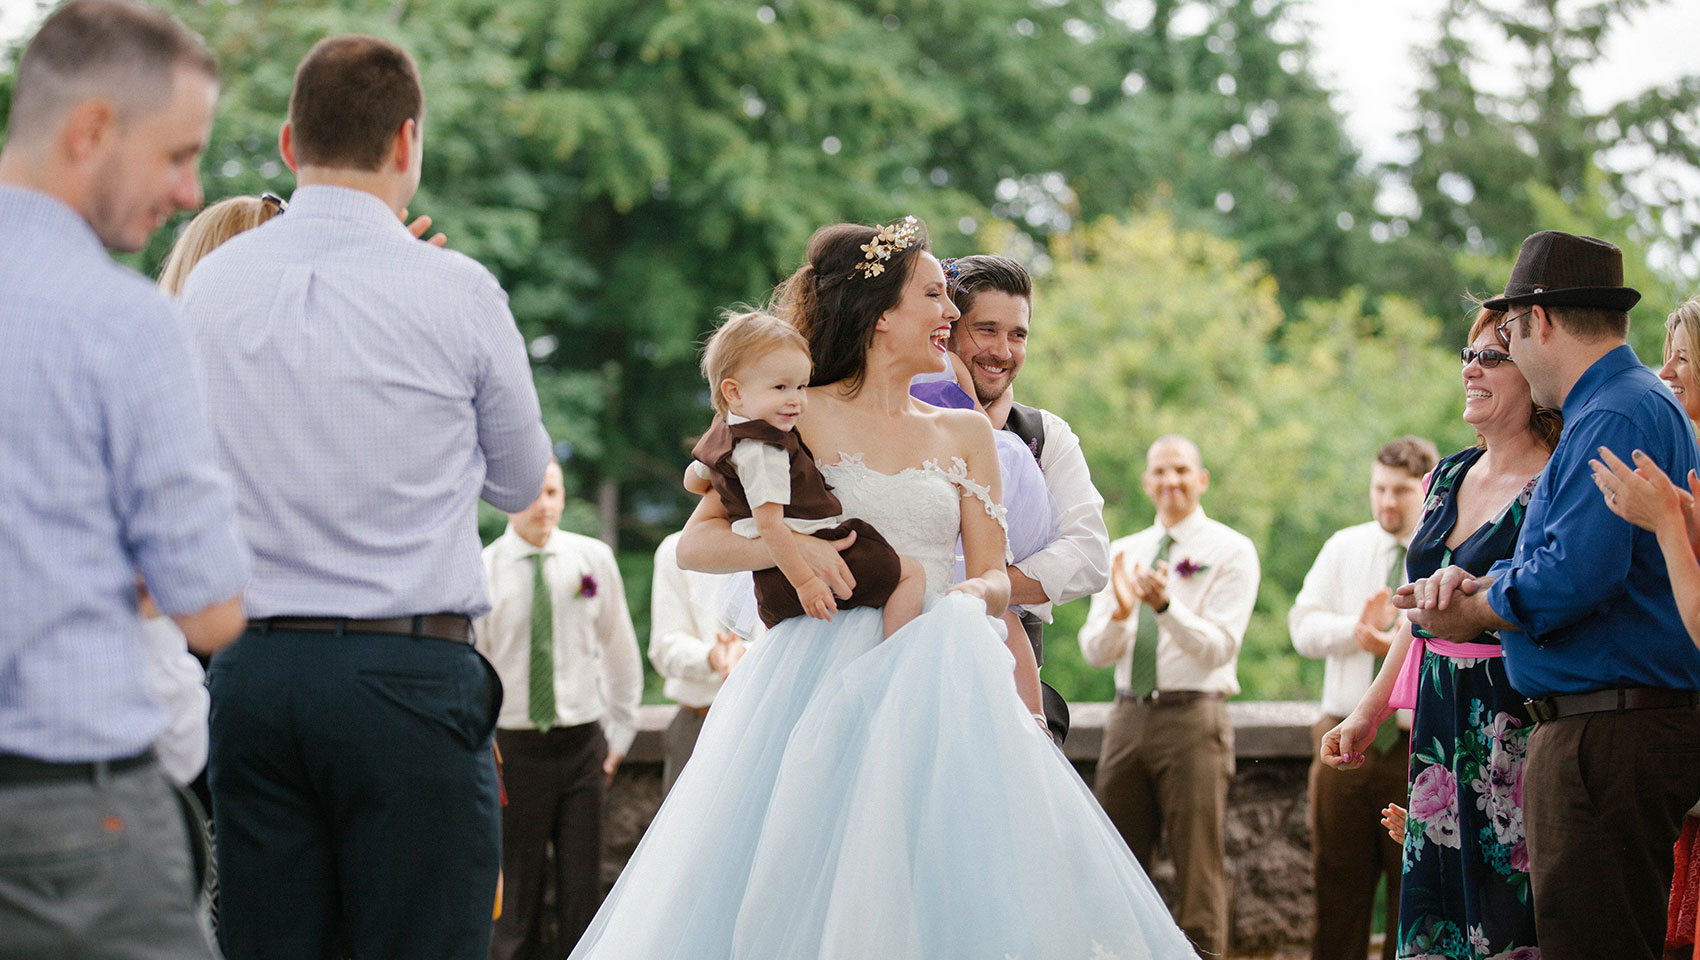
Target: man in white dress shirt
{"points": [[689, 648], [1345, 613], [573, 676], [995, 295], [1181, 593]]}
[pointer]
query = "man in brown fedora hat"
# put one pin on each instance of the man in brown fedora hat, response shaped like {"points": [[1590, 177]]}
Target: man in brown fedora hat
{"points": [[1584, 608]]}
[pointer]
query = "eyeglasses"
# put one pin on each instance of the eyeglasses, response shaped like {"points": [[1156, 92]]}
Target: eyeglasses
{"points": [[273, 200], [1487, 358], [1502, 328]]}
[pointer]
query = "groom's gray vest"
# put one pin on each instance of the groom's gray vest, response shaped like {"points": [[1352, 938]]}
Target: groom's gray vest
{"points": [[1028, 424]]}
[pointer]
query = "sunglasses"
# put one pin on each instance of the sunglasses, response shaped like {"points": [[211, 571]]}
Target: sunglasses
{"points": [[1487, 358], [1503, 328]]}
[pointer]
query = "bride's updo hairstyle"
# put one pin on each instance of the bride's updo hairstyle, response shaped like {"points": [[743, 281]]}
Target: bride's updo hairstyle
{"points": [[837, 296]]}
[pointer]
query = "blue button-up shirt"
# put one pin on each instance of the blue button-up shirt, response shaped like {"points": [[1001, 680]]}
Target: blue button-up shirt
{"points": [[365, 389], [106, 470], [1588, 593]]}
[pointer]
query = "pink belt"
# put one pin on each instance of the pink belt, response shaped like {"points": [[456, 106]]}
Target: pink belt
{"points": [[1404, 696]]}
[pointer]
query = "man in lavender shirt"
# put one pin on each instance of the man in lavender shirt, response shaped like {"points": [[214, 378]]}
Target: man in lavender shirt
{"points": [[366, 389], [107, 471]]}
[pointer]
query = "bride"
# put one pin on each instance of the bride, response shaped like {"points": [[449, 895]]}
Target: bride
{"points": [[852, 798]]}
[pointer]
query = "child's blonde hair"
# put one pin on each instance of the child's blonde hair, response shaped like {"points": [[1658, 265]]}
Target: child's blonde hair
{"points": [[743, 339], [211, 227]]}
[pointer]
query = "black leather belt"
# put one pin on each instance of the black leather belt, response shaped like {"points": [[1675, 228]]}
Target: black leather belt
{"points": [[16, 770], [1618, 700], [1171, 698], [435, 626]]}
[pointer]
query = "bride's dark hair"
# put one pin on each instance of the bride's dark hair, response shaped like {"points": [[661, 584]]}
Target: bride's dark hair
{"points": [[834, 302]]}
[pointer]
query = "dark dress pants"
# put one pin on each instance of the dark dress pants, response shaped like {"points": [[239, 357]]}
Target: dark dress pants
{"points": [[1164, 772], [1604, 795], [1350, 849], [355, 797], [555, 791]]}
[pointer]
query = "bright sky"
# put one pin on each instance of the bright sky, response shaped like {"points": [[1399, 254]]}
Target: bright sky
{"points": [[1364, 51]]}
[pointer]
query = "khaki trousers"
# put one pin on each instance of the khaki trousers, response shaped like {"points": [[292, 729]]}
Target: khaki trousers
{"points": [[1350, 849], [1164, 772], [1604, 795]]}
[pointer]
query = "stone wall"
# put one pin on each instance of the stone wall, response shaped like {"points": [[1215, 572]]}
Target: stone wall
{"points": [[1268, 832]]}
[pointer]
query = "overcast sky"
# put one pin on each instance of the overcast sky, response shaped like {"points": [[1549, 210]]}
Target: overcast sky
{"points": [[1364, 51]]}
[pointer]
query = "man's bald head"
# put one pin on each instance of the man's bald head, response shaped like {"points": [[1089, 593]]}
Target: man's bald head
{"points": [[1174, 478], [121, 51]]}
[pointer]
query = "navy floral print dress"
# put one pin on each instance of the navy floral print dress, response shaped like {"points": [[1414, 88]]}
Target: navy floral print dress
{"points": [[1465, 887]]}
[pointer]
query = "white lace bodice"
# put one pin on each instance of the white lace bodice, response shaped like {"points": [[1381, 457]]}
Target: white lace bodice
{"points": [[918, 510]]}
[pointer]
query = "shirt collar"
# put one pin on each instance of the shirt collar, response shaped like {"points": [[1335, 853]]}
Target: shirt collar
{"points": [[1617, 360], [37, 213], [733, 418], [342, 203], [1190, 524], [523, 547]]}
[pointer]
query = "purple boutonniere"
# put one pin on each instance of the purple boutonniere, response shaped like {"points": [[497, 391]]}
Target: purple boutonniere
{"points": [[1186, 568], [587, 586]]}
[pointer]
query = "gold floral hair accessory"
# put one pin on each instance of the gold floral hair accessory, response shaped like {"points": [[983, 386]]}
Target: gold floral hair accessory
{"points": [[887, 241]]}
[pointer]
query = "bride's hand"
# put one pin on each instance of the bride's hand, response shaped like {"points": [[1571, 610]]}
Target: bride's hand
{"points": [[823, 558], [977, 588]]}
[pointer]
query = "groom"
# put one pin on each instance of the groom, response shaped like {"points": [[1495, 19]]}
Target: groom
{"points": [[995, 295]]}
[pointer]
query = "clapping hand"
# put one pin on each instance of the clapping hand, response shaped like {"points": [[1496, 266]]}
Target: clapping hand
{"points": [[1645, 496], [728, 649], [1152, 584], [1378, 617], [1127, 596]]}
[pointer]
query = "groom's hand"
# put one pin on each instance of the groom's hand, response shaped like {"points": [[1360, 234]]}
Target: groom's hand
{"points": [[823, 558]]}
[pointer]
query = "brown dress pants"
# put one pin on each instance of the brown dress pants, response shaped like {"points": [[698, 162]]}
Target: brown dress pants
{"points": [[1350, 849], [1604, 795], [555, 790], [1164, 772]]}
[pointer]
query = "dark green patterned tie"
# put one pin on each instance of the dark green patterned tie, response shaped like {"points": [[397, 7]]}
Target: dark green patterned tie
{"points": [[1388, 733], [542, 649], [1142, 677]]}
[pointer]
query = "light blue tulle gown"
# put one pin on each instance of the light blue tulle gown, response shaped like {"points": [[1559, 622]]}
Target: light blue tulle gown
{"points": [[852, 799]]}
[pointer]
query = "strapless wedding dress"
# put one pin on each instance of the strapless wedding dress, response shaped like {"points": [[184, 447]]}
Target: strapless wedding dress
{"points": [[855, 799]]}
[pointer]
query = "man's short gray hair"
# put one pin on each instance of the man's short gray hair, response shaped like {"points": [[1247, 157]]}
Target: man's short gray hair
{"points": [[123, 50]]}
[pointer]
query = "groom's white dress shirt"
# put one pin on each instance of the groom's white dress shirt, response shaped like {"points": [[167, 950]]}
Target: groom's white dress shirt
{"points": [[1077, 563]]}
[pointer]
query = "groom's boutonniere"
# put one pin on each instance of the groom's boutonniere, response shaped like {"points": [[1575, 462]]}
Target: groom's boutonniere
{"points": [[587, 586], [1186, 568]]}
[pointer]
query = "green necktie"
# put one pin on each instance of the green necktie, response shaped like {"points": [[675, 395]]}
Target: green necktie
{"points": [[542, 649], [1388, 733], [1142, 677]]}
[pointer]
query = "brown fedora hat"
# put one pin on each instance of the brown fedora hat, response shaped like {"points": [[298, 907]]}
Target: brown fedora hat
{"points": [[1563, 270]]}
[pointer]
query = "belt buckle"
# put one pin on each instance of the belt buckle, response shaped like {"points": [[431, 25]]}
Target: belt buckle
{"points": [[1540, 710]]}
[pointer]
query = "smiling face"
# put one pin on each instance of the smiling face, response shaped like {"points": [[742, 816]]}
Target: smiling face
{"points": [[1678, 371], [1497, 398], [991, 339], [772, 388], [917, 329], [1174, 479], [149, 169]]}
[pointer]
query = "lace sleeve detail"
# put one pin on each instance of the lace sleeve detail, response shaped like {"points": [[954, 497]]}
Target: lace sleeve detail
{"points": [[957, 473]]}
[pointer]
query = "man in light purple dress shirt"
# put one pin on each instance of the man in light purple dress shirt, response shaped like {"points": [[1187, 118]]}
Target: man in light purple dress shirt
{"points": [[107, 471], [365, 389]]}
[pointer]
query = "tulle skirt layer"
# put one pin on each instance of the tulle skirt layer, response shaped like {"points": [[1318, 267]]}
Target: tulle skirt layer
{"points": [[851, 799]]}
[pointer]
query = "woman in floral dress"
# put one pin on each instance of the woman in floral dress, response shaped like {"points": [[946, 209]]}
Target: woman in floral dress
{"points": [[1465, 887]]}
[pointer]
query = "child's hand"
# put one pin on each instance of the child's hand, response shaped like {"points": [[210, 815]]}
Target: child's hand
{"points": [[1393, 818], [817, 599]]}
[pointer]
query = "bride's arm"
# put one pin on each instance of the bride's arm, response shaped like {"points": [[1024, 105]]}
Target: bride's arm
{"points": [[708, 545], [984, 543]]}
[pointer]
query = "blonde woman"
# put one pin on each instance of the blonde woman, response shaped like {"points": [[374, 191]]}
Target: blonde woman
{"points": [[211, 227]]}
